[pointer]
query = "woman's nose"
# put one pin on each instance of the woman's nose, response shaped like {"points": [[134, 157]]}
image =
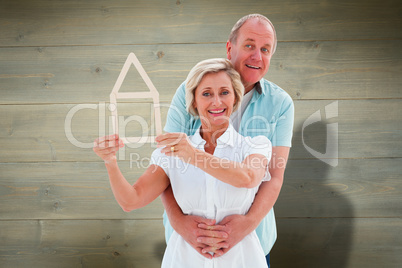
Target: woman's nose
{"points": [[217, 100]]}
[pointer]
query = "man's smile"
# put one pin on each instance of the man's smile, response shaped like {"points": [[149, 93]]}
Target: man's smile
{"points": [[253, 67]]}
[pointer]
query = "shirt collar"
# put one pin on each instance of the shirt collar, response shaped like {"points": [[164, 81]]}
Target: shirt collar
{"points": [[196, 140], [258, 92], [258, 87], [227, 138]]}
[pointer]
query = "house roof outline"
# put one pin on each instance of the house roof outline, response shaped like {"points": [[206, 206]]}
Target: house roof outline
{"points": [[152, 93]]}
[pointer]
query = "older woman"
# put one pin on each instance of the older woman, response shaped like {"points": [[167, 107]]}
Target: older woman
{"points": [[213, 174]]}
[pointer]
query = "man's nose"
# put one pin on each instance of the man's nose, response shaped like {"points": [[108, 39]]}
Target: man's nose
{"points": [[256, 55]]}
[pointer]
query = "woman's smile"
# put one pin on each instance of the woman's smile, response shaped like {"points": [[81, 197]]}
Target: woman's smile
{"points": [[217, 112], [214, 99]]}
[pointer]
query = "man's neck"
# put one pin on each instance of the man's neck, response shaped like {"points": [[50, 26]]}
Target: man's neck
{"points": [[248, 89]]}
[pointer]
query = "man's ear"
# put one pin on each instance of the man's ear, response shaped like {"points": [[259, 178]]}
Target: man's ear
{"points": [[228, 50]]}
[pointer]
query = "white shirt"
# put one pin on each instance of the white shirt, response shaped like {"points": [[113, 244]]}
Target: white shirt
{"points": [[198, 193]]}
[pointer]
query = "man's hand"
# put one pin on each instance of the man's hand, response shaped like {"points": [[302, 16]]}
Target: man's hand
{"points": [[236, 226], [189, 229]]}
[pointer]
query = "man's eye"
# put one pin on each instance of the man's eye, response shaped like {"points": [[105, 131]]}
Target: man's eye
{"points": [[248, 46], [265, 50]]}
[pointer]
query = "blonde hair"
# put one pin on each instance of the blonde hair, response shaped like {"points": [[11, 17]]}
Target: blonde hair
{"points": [[235, 30], [204, 67]]}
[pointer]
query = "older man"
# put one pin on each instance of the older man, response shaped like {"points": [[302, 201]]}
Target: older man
{"points": [[266, 110]]}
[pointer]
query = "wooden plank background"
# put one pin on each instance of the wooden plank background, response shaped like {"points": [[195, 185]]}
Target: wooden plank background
{"points": [[56, 206]]}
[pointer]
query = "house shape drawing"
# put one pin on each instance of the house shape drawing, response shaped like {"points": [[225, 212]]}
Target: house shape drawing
{"points": [[151, 94]]}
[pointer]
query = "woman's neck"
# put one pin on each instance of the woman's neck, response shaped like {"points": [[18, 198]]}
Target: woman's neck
{"points": [[211, 136]]}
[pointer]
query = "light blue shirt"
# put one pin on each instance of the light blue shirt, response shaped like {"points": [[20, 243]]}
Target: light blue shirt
{"points": [[270, 113]]}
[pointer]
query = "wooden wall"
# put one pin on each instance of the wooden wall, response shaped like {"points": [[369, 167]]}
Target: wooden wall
{"points": [[56, 206]]}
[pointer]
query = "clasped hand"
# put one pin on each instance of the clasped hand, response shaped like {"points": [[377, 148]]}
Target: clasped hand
{"points": [[207, 237]]}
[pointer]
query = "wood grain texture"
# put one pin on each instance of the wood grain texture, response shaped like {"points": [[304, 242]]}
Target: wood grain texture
{"points": [[356, 188], [75, 243], [364, 128], [337, 242], [31, 133], [103, 243], [50, 23], [38, 132], [56, 206], [63, 190], [80, 190], [306, 70]]}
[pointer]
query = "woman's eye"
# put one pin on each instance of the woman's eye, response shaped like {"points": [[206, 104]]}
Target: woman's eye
{"points": [[225, 92], [206, 94]]}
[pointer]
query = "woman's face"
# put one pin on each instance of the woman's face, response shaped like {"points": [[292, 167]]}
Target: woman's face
{"points": [[214, 99]]}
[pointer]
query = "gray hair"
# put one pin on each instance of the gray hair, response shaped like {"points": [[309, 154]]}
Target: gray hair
{"points": [[235, 30], [204, 67]]}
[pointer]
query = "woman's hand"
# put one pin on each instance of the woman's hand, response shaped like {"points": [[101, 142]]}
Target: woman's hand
{"points": [[106, 147], [177, 144], [235, 226], [188, 228]]}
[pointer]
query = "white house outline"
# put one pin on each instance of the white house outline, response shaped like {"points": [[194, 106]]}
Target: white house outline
{"points": [[152, 93]]}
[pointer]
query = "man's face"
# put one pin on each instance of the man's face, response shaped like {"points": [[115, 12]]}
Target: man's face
{"points": [[252, 52]]}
